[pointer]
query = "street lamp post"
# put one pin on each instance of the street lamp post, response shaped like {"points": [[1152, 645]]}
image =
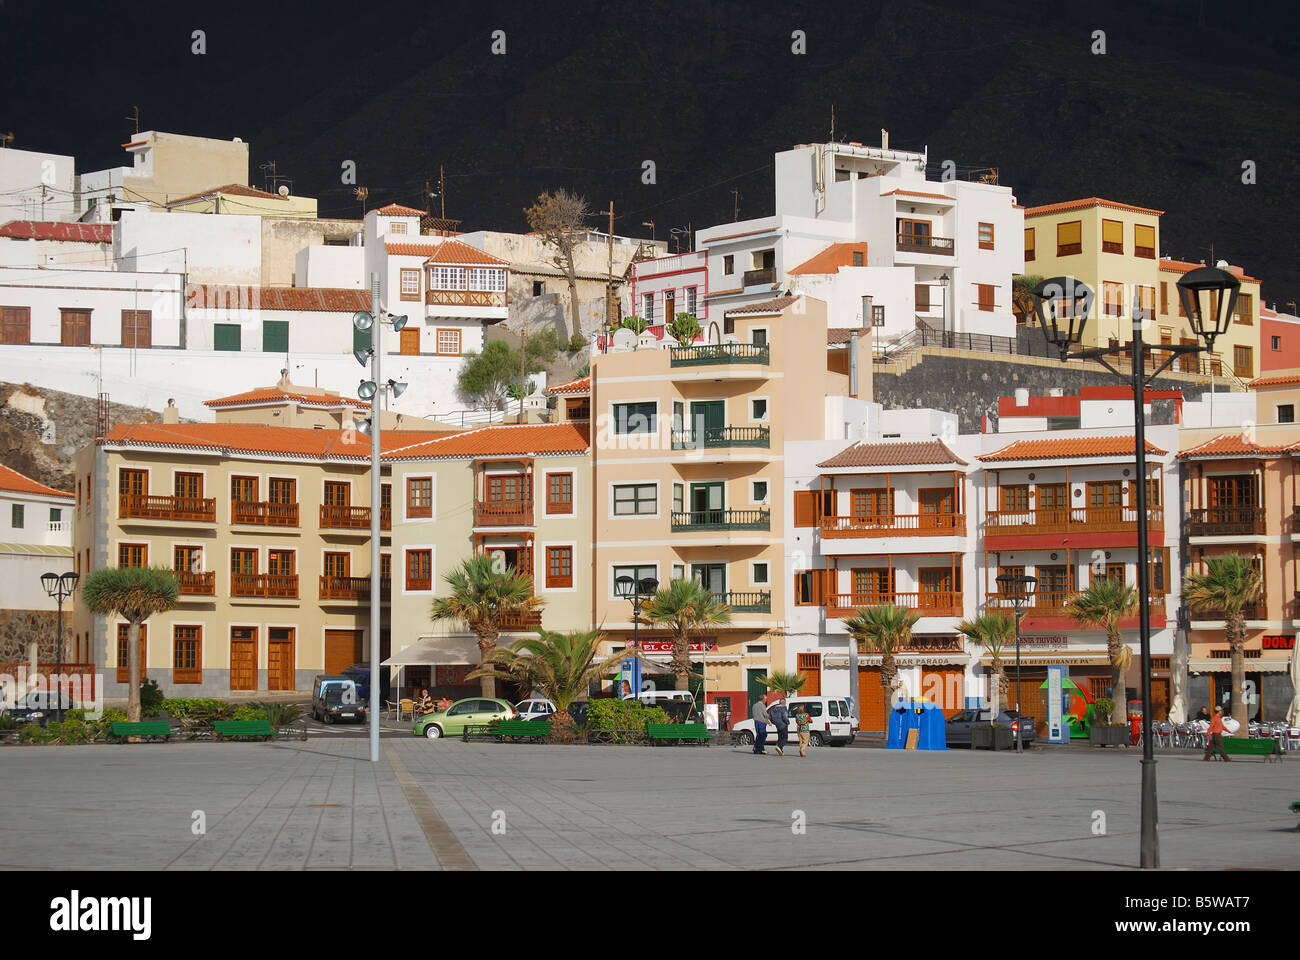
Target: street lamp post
{"points": [[60, 588], [373, 390], [1209, 299], [1018, 588], [637, 591]]}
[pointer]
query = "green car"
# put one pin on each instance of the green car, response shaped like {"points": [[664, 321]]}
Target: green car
{"points": [[452, 721]]}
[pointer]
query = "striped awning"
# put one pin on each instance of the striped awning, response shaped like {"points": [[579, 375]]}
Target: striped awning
{"points": [[1224, 665], [36, 549]]}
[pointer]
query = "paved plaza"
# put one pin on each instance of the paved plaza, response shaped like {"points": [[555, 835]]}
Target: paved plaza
{"points": [[321, 805]]}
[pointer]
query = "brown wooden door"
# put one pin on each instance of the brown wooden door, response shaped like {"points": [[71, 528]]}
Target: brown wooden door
{"points": [[945, 686], [280, 661], [75, 328], [1160, 699], [871, 700], [15, 325], [338, 493], [342, 649], [936, 507], [410, 341], [243, 658], [810, 667]]}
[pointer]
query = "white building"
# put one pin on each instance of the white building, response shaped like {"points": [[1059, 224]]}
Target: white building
{"points": [[863, 229], [62, 307], [37, 538], [666, 286], [37, 186], [35, 243]]}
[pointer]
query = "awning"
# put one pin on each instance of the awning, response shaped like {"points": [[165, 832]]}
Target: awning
{"points": [[440, 651], [1038, 658], [1224, 665], [36, 549], [936, 659]]}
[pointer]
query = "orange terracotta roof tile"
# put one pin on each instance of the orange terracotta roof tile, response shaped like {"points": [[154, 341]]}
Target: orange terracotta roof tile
{"points": [[1233, 444], [894, 455], [581, 385], [723, 293], [1282, 380], [231, 438], [275, 394], [14, 482], [455, 251], [233, 189], [412, 248], [832, 258], [200, 296], [767, 306], [1059, 448], [1088, 202], [48, 230], [915, 193], [1170, 265], [523, 440], [398, 210]]}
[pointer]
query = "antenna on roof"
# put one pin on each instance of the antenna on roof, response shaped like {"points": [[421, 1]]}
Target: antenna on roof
{"points": [[135, 115]]}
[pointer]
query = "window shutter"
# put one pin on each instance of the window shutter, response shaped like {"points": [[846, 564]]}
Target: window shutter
{"points": [[275, 336], [805, 508]]}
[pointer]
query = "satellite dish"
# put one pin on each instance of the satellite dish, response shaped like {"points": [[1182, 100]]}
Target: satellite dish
{"points": [[283, 191], [1222, 264]]}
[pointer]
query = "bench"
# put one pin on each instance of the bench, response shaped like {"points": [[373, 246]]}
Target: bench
{"points": [[261, 729], [678, 733], [1243, 747], [144, 729], [534, 731]]}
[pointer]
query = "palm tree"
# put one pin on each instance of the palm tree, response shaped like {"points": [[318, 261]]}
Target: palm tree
{"points": [[1022, 302], [1103, 605], [1229, 584], [885, 630], [786, 684], [684, 607], [482, 596], [993, 632], [134, 593], [560, 665]]}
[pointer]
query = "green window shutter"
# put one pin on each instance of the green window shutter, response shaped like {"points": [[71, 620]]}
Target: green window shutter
{"points": [[275, 336], [225, 336], [360, 339]]}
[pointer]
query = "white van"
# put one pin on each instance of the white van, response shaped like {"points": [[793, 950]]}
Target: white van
{"points": [[832, 723]]}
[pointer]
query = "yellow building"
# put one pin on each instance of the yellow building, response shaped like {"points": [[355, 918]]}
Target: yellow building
{"points": [[1114, 248], [688, 476], [235, 198]]}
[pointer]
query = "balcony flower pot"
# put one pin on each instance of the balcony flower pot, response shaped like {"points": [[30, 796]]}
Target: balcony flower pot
{"points": [[991, 736], [1108, 735]]}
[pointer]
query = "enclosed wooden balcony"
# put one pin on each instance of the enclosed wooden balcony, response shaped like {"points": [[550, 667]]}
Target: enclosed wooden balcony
{"points": [[1071, 519], [895, 525], [352, 588], [196, 584], [264, 513], [352, 518], [270, 585], [148, 507], [1226, 522], [939, 603], [464, 298], [503, 513]]}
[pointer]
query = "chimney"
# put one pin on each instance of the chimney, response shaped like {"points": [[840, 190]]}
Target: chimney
{"points": [[171, 414], [884, 139], [1022, 397]]}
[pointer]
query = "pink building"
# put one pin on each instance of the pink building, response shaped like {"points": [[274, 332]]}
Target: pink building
{"points": [[667, 286], [1279, 340]]}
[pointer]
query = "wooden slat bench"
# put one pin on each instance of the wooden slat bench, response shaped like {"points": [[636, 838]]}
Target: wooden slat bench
{"points": [[678, 733], [243, 728], [146, 730], [533, 731], [1243, 747]]}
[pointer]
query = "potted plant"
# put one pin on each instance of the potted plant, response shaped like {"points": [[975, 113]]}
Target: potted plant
{"points": [[991, 736], [1104, 732]]}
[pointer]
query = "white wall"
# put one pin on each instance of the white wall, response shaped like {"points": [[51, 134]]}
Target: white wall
{"points": [[208, 248], [1227, 410], [105, 293], [23, 173], [310, 331], [340, 268], [37, 526]]}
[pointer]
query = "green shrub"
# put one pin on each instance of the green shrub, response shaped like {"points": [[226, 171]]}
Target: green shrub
{"points": [[113, 715], [185, 708], [577, 342], [608, 713], [34, 733], [1102, 708], [248, 711], [7, 721], [151, 698], [73, 730], [281, 714]]}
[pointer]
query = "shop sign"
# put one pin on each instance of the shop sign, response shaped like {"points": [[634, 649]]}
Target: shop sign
{"points": [[1279, 643], [666, 646], [1039, 640]]}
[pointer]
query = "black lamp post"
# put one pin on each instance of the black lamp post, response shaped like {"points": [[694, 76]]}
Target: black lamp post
{"points": [[1017, 588], [638, 591], [1209, 298], [60, 588]]}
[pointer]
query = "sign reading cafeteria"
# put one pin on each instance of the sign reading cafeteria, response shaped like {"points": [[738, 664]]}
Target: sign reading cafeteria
{"points": [[666, 646]]}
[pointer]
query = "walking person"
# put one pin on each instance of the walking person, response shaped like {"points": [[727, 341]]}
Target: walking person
{"points": [[780, 715], [761, 719], [803, 720], [1215, 743]]}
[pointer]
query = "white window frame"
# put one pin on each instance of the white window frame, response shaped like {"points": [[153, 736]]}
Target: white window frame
{"points": [[692, 299], [750, 407], [437, 341], [753, 575], [755, 500], [613, 593], [405, 274]]}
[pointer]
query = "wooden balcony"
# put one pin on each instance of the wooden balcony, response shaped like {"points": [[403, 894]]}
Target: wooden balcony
{"points": [[264, 513], [708, 438], [944, 603], [762, 275], [1003, 523], [503, 513], [710, 353], [911, 243], [694, 520], [352, 518], [1226, 522], [1251, 611], [1053, 604], [352, 588], [146, 507], [274, 586], [897, 525], [464, 298], [197, 584]]}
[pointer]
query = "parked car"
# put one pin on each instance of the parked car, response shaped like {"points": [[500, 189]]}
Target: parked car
{"points": [[360, 674], [960, 725], [37, 706], [832, 723], [335, 698], [537, 709], [453, 721]]}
